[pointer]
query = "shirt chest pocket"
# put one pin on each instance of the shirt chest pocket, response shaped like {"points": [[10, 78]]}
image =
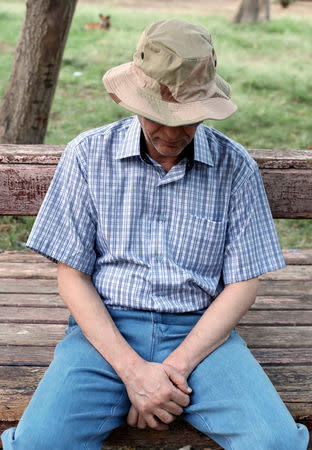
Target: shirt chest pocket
{"points": [[196, 243]]}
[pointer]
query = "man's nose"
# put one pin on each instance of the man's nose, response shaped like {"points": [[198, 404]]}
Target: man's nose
{"points": [[173, 132]]}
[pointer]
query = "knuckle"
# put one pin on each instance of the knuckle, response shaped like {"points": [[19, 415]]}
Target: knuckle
{"points": [[144, 409], [166, 394]]}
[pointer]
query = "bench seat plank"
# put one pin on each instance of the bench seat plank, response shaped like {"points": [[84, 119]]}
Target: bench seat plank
{"points": [[281, 288], [28, 314], [44, 270], [34, 355], [23, 355], [276, 336], [13, 314], [299, 302], [28, 256], [30, 300], [42, 300], [255, 336], [14, 286]]}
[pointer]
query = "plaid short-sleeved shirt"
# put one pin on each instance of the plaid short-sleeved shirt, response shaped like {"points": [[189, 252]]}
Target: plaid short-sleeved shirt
{"points": [[153, 240]]}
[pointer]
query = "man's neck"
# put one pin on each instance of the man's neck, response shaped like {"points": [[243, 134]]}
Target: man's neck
{"points": [[166, 162]]}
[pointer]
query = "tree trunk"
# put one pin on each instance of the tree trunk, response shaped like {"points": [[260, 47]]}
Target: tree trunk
{"points": [[26, 103], [252, 11]]}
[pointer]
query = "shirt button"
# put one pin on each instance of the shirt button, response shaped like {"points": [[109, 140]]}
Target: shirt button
{"points": [[161, 293], [159, 258], [162, 217]]}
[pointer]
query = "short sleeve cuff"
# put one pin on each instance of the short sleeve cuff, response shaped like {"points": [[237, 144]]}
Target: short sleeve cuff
{"points": [[75, 263], [246, 273]]}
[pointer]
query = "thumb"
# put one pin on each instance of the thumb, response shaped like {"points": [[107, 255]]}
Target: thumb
{"points": [[177, 378]]}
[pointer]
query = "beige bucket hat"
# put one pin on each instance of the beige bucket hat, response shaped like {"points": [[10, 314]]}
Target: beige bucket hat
{"points": [[172, 79]]}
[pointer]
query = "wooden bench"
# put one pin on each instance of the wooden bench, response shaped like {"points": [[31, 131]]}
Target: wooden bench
{"points": [[278, 328]]}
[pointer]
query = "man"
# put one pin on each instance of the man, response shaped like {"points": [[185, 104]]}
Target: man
{"points": [[160, 227]]}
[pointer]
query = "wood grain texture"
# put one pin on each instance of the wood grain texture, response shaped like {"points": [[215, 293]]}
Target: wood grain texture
{"points": [[281, 356], [32, 300], [43, 270], [30, 154], [41, 335], [297, 256], [27, 286], [22, 314], [272, 336], [282, 159], [27, 256], [23, 355], [289, 192], [276, 317], [12, 314], [287, 303], [50, 154], [23, 188], [268, 336], [283, 288], [298, 272], [180, 431]]}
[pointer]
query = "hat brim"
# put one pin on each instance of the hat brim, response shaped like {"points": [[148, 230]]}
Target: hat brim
{"points": [[120, 83]]}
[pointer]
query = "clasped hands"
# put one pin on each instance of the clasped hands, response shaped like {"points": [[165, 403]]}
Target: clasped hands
{"points": [[158, 393]]}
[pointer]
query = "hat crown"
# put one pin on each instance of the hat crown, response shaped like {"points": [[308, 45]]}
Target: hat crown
{"points": [[170, 50], [172, 78]]}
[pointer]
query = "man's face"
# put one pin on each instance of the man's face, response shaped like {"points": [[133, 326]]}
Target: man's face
{"points": [[167, 141]]}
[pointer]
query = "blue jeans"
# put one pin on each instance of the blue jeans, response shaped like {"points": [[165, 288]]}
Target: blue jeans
{"points": [[81, 399]]}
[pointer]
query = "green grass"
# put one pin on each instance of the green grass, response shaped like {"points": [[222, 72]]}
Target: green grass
{"points": [[268, 66]]}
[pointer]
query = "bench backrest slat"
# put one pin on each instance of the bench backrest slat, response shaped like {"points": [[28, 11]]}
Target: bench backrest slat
{"points": [[26, 172]]}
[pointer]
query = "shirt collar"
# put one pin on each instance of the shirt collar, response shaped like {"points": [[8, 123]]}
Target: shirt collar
{"points": [[202, 147], [131, 144]]}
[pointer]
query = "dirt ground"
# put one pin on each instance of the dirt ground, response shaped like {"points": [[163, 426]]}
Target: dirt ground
{"points": [[225, 8]]}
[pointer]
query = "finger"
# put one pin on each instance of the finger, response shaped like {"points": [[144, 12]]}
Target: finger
{"points": [[173, 408], [164, 416], [141, 422], [133, 416], [161, 427], [153, 423], [180, 398], [177, 378]]}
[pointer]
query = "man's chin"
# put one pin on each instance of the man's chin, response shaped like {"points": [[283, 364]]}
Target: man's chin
{"points": [[172, 151]]}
